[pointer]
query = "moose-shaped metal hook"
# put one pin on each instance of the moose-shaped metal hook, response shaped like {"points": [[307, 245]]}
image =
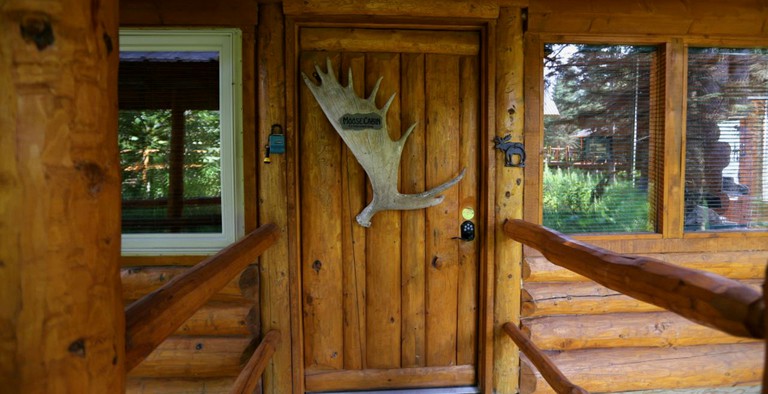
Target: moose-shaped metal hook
{"points": [[510, 149]]}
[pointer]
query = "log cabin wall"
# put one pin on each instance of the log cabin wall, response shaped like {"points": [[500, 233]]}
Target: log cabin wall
{"points": [[602, 340], [184, 363], [207, 353], [209, 350]]}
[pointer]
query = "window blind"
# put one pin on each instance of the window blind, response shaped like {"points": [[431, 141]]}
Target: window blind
{"points": [[602, 145], [169, 136], [726, 168]]}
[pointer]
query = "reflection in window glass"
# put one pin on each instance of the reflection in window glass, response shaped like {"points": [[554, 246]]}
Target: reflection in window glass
{"points": [[599, 117], [169, 136], [726, 168]]}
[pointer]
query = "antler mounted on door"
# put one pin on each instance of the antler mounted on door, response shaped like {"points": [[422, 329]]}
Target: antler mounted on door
{"points": [[363, 127]]}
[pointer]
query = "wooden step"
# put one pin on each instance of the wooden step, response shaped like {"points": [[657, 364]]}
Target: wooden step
{"points": [[628, 369], [650, 329]]}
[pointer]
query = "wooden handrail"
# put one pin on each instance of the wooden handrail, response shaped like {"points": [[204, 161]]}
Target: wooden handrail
{"points": [[157, 315], [548, 369], [249, 377], [706, 298]]}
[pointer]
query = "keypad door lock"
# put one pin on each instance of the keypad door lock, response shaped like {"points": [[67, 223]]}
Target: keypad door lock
{"points": [[467, 231]]}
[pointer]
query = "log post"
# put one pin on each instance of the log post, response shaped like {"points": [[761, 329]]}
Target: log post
{"points": [[61, 312], [509, 194], [285, 373]]}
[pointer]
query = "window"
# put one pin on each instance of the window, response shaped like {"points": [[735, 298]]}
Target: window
{"points": [[179, 133], [602, 121], [726, 168]]}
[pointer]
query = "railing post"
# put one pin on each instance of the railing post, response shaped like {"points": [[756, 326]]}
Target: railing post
{"points": [[548, 369], [249, 377]]}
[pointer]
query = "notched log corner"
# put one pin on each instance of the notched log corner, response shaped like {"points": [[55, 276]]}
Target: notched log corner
{"points": [[37, 29]]}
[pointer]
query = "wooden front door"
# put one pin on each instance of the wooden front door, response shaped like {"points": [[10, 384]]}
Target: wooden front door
{"points": [[396, 304]]}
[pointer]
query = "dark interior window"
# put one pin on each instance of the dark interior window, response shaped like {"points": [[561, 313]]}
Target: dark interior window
{"points": [[169, 136]]}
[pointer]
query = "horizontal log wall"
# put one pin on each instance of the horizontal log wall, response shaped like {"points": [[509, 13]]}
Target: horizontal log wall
{"points": [[210, 349], [606, 341], [600, 339], [736, 18]]}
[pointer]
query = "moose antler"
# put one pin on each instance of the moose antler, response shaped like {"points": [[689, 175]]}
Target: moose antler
{"points": [[363, 127]]}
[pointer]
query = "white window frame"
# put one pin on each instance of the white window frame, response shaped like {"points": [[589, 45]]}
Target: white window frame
{"points": [[228, 42]]}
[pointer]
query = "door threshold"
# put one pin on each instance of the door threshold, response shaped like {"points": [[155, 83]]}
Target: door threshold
{"points": [[442, 390]]}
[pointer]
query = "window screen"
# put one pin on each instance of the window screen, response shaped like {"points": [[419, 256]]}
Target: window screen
{"points": [[179, 132], [601, 151], [169, 141], [726, 181]]}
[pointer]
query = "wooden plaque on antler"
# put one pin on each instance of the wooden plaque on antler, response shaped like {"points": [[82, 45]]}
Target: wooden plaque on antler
{"points": [[363, 127]]}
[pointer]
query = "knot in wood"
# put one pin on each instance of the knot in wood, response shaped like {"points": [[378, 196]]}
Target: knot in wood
{"points": [[37, 29]]}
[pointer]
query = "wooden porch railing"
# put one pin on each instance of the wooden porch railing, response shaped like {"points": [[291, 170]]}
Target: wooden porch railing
{"points": [[708, 299], [151, 319], [249, 377], [551, 373]]}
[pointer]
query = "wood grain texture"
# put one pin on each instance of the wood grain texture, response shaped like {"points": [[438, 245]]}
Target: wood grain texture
{"points": [[544, 299], [709, 299], [430, 8], [651, 329], [248, 379], [543, 364], [606, 370], [467, 298], [461, 375], [250, 135], [655, 17], [206, 357], [508, 195], [276, 308], [734, 265], [321, 247], [152, 318], [222, 318], [61, 319], [353, 194], [390, 40], [292, 186], [137, 385], [442, 112], [188, 13], [672, 142], [149, 261], [573, 298], [140, 281], [413, 176], [383, 240]]}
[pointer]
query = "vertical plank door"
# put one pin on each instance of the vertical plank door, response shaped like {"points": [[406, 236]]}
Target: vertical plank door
{"points": [[393, 305]]}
